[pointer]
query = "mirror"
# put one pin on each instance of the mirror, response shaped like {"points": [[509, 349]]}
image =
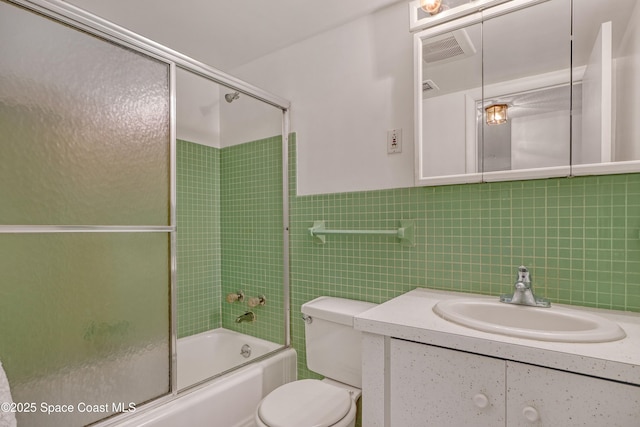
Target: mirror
{"points": [[451, 84], [499, 99], [607, 47], [526, 72]]}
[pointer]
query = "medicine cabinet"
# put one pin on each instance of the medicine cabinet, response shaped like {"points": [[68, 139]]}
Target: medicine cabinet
{"points": [[527, 89]]}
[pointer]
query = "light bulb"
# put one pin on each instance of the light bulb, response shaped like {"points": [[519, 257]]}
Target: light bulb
{"points": [[496, 114], [431, 6]]}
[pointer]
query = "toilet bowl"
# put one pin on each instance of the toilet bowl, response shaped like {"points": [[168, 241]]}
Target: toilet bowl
{"points": [[333, 349], [309, 403]]}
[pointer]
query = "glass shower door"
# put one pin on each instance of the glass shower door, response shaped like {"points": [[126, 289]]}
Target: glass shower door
{"points": [[85, 223]]}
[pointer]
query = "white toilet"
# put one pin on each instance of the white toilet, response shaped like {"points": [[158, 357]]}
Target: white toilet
{"points": [[333, 350]]}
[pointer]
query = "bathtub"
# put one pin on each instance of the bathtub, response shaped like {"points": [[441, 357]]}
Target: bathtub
{"points": [[231, 399], [213, 352]]}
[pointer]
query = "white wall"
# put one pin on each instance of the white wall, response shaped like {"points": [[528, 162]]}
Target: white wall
{"points": [[540, 141], [204, 116], [197, 109], [628, 92], [348, 86], [247, 119], [444, 148], [595, 146]]}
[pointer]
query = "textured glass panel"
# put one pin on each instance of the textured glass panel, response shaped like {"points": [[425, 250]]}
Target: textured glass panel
{"points": [[85, 320], [84, 127]]}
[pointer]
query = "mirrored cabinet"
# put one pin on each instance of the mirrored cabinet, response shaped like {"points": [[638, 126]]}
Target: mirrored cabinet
{"points": [[606, 51], [529, 89]]}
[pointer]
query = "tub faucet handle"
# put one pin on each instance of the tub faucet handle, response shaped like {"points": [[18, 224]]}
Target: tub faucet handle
{"points": [[256, 301], [235, 296]]}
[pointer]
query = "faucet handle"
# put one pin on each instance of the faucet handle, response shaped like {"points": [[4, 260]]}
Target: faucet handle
{"points": [[235, 296], [256, 301], [523, 275]]}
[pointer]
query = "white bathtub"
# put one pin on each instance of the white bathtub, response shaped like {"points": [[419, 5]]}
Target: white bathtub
{"points": [[227, 401], [213, 352]]}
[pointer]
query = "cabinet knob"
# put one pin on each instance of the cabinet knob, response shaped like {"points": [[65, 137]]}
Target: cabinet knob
{"points": [[530, 413], [480, 400]]}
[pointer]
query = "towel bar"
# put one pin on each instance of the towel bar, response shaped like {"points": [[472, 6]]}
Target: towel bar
{"points": [[405, 232]]}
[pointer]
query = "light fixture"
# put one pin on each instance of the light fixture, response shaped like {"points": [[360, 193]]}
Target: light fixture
{"points": [[432, 7], [496, 114]]}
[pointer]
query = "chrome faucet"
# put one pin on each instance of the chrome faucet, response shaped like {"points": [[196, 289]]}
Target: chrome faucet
{"points": [[523, 291], [249, 316]]}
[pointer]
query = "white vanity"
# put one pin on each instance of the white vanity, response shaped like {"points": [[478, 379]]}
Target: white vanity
{"points": [[422, 370]]}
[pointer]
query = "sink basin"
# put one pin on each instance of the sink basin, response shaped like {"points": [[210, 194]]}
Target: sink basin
{"points": [[544, 324]]}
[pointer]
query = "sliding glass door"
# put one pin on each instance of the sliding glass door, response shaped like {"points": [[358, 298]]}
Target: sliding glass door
{"points": [[85, 222]]}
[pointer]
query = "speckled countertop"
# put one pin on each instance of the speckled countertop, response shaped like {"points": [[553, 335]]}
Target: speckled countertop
{"points": [[410, 316]]}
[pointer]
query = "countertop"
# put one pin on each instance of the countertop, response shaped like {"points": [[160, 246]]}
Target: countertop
{"points": [[410, 317]]}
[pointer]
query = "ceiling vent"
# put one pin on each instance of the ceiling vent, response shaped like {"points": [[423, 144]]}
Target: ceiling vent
{"points": [[429, 86], [447, 47]]}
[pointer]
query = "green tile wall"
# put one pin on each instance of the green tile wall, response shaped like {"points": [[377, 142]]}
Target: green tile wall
{"points": [[229, 216], [578, 236], [252, 242], [198, 238]]}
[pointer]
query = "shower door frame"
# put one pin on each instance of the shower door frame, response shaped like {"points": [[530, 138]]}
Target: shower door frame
{"points": [[67, 14]]}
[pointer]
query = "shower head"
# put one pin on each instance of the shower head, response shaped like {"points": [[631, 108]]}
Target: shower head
{"points": [[230, 97]]}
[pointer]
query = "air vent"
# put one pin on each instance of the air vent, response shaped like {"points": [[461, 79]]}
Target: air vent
{"points": [[447, 47], [429, 85]]}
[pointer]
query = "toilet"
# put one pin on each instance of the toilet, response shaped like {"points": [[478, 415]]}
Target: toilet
{"points": [[334, 351]]}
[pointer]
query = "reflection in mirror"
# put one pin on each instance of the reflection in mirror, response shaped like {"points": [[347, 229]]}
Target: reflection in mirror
{"points": [[229, 218], [507, 68], [534, 132], [607, 47], [504, 99], [529, 72], [452, 81], [429, 8]]}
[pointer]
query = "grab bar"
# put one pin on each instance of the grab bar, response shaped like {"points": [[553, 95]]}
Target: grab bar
{"points": [[405, 232]]}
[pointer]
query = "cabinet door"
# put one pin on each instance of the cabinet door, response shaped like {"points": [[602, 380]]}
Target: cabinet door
{"points": [[433, 386], [545, 397]]}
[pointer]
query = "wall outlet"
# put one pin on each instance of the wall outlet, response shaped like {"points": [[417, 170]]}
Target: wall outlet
{"points": [[394, 141]]}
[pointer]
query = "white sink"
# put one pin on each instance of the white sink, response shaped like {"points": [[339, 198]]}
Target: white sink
{"points": [[545, 324]]}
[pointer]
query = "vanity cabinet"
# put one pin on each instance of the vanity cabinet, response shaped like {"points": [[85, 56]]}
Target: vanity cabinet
{"points": [[550, 397], [431, 385], [441, 387]]}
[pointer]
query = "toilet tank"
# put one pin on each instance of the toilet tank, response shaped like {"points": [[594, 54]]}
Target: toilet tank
{"points": [[333, 346]]}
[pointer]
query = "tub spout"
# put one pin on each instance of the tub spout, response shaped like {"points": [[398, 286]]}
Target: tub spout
{"points": [[249, 316]]}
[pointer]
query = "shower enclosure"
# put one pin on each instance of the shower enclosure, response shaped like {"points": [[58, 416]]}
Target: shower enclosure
{"points": [[229, 219], [116, 240]]}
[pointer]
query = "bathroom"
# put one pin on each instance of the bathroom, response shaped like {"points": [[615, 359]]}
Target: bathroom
{"points": [[579, 236]]}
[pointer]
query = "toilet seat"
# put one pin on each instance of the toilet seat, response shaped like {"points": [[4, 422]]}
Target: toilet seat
{"points": [[305, 403]]}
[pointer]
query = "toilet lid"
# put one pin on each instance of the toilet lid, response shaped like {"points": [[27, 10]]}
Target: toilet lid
{"points": [[308, 403]]}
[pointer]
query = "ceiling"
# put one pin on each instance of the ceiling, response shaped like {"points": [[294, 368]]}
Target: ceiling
{"points": [[228, 33]]}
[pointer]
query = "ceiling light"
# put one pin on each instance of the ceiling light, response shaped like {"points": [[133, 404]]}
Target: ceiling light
{"points": [[496, 114], [431, 6]]}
